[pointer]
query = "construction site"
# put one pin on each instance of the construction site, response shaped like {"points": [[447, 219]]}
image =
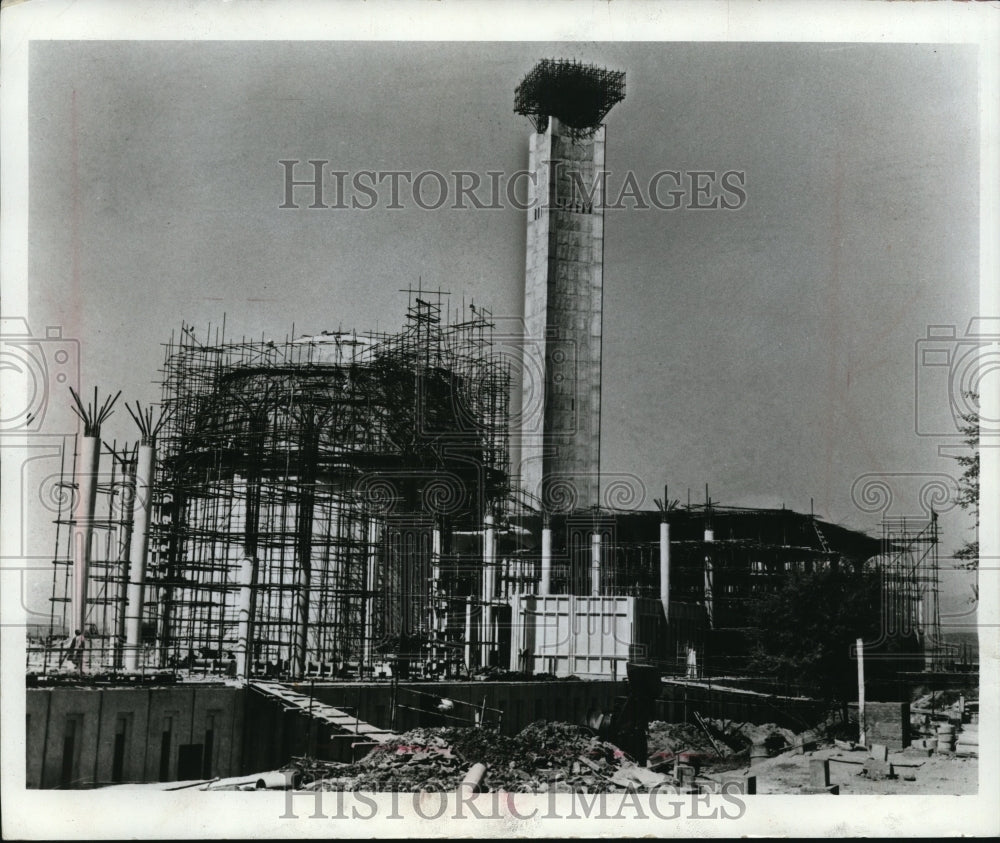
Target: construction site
{"points": [[324, 550]]}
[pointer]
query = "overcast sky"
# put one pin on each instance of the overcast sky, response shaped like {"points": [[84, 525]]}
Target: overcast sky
{"points": [[768, 352]]}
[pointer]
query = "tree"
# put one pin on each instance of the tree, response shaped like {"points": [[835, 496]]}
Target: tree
{"points": [[805, 631], [968, 483]]}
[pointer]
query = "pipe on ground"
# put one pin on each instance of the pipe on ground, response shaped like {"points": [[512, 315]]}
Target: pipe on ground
{"points": [[473, 779]]}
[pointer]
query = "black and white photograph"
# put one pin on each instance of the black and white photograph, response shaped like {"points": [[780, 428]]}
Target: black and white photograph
{"points": [[437, 419]]}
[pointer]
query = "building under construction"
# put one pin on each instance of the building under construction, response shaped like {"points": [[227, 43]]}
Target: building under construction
{"points": [[343, 506]]}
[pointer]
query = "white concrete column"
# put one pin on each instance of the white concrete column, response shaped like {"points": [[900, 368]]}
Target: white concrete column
{"points": [[709, 579], [369, 634], [87, 465], [435, 576], [595, 564], [862, 726], [545, 586], [665, 569], [489, 587], [469, 633], [138, 554], [243, 642]]}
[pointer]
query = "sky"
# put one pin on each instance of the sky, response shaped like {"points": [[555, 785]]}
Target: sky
{"points": [[771, 352]]}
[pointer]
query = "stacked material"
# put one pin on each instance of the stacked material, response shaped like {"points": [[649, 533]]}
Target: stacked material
{"points": [[968, 740], [544, 756]]}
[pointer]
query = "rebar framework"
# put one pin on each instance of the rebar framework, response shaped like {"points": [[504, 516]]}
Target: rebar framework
{"points": [[578, 95]]}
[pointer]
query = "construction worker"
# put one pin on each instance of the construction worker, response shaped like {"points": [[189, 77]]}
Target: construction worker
{"points": [[74, 652], [692, 663]]}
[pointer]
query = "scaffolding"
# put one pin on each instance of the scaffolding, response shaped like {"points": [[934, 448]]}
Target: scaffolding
{"points": [[313, 476], [107, 578], [306, 492], [909, 570]]}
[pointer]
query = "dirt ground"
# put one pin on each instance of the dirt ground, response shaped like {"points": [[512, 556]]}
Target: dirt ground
{"points": [[933, 775]]}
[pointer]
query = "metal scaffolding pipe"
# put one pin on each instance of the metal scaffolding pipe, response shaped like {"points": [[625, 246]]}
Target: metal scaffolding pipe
{"points": [[545, 586], [709, 579], [665, 569], [142, 504], [88, 463], [595, 564]]}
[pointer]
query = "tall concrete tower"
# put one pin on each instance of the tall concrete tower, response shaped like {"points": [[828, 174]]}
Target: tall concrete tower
{"points": [[563, 282]]}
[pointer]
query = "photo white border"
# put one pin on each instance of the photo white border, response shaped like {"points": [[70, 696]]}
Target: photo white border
{"points": [[87, 814]]}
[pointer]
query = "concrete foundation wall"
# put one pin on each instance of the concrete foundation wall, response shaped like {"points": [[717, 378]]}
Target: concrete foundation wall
{"points": [[71, 734]]}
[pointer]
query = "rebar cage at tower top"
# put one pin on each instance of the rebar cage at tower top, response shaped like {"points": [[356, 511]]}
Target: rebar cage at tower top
{"points": [[578, 95]]}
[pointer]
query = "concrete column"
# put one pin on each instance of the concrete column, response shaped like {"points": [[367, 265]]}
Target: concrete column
{"points": [[244, 616], [489, 587], [545, 586], [862, 725], [665, 569], [138, 554], [243, 641], [709, 579], [595, 564], [121, 597], [469, 633], [87, 465], [435, 575], [369, 633]]}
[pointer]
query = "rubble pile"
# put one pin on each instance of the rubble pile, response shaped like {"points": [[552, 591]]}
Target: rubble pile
{"points": [[544, 756], [729, 745]]}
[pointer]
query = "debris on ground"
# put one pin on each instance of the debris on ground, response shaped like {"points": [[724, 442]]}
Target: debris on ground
{"points": [[543, 756]]}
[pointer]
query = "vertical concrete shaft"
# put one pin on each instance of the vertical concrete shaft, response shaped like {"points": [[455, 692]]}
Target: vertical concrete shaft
{"points": [[244, 617], [370, 584], [435, 575], [489, 586], [709, 579], [87, 466], [469, 634], [545, 586], [124, 566], [595, 564], [862, 726], [563, 306], [138, 554], [665, 569]]}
